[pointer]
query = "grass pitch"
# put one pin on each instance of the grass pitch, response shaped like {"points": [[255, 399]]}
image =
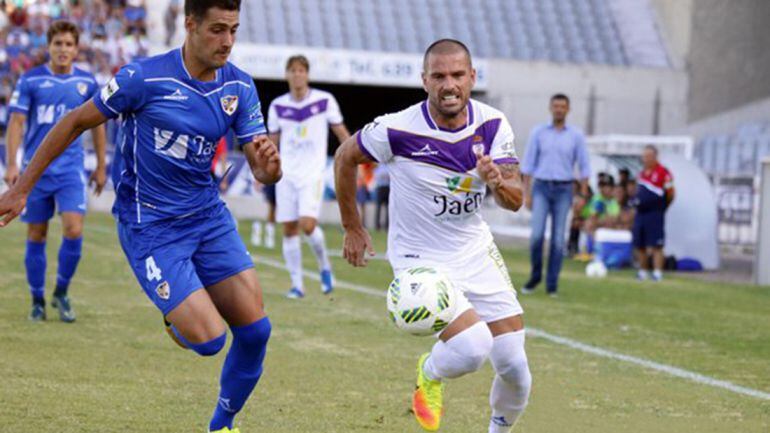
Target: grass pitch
{"points": [[335, 364]]}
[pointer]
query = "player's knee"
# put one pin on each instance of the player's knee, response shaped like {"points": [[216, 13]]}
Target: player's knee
{"points": [[255, 335], [510, 363], [472, 347], [211, 347]]}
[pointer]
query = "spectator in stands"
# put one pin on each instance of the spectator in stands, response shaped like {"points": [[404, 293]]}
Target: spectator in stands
{"points": [[553, 151], [605, 209], [170, 19], [655, 192], [626, 217], [381, 195], [581, 211]]}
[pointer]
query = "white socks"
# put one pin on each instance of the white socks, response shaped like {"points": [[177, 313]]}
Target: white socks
{"points": [[256, 234], [510, 389], [270, 235], [462, 354], [292, 254], [317, 242]]}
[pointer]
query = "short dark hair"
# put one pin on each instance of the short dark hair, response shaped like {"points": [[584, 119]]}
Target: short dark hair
{"points": [[560, 97], [445, 46], [198, 8], [63, 27], [299, 58], [652, 147]]}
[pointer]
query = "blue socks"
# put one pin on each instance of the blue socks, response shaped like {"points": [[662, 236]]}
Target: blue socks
{"points": [[69, 256], [209, 348], [241, 371], [35, 262]]}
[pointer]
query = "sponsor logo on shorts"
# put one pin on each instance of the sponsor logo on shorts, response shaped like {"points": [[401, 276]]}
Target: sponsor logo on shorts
{"points": [[163, 290]]}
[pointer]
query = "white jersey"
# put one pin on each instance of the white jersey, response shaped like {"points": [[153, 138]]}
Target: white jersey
{"points": [[304, 129], [435, 191]]}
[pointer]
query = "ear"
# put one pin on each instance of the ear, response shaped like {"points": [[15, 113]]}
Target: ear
{"points": [[424, 76], [473, 77], [190, 24]]}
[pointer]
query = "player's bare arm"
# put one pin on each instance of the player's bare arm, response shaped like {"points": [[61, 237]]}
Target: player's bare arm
{"points": [[99, 176], [356, 241], [264, 160], [341, 132], [504, 180], [13, 138], [81, 119]]}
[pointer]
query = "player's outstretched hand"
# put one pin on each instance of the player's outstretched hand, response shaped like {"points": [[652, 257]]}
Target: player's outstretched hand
{"points": [[98, 179], [356, 244], [11, 175], [268, 159], [488, 171], [12, 203]]}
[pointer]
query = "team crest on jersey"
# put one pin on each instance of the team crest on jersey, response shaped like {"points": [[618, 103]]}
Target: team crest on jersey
{"points": [[229, 104], [82, 89], [163, 290]]}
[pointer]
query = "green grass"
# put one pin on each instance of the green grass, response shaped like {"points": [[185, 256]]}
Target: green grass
{"points": [[335, 364]]}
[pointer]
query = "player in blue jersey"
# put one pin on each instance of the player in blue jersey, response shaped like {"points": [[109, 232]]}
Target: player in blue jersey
{"points": [[42, 97], [177, 235]]}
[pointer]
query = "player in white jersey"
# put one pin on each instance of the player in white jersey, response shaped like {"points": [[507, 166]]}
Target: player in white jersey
{"points": [[443, 154], [299, 121]]}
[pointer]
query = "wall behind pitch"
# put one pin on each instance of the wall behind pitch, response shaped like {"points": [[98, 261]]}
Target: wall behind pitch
{"points": [[624, 98]]}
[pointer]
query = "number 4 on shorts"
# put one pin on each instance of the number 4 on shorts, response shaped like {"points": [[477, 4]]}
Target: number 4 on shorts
{"points": [[153, 271]]}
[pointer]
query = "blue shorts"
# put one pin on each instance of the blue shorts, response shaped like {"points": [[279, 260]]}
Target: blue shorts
{"points": [[66, 192], [648, 230], [173, 258], [269, 191]]}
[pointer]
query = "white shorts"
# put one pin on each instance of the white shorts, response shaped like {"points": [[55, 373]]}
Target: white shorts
{"points": [[484, 283], [296, 199]]}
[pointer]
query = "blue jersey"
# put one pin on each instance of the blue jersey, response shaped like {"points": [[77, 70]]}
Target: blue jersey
{"points": [[45, 97], [172, 123]]}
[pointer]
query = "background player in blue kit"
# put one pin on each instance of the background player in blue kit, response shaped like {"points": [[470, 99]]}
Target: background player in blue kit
{"points": [[177, 235], [42, 97]]}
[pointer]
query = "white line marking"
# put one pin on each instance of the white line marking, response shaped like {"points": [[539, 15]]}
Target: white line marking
{"points": [[568, 342]]}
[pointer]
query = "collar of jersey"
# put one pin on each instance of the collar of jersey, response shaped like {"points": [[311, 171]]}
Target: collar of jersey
{"points": [[432, 124]]}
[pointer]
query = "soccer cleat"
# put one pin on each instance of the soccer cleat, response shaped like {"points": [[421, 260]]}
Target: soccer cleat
{"points": [[226, 430], [37, 314], [326, 281], [62, 303], [295, 293], [427, 401]]}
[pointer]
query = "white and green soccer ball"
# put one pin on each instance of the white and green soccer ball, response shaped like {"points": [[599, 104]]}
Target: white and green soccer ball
{"points": [[421, 301], [596, 269]]}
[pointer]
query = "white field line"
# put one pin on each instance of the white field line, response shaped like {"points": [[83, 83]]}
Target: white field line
{"points": [[563, 341]]}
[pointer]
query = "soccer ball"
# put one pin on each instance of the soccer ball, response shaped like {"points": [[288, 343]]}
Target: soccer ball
{"points": [[421, 301], [596, 269]]}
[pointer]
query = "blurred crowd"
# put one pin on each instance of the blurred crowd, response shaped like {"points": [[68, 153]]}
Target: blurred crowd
{"points": [[610, 207], [113, 33]]}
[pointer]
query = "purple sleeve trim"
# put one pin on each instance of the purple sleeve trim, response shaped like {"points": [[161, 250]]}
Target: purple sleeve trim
{"points": [[363, 148], [506, 161]]}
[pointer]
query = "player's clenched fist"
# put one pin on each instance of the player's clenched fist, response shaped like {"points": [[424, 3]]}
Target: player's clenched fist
{"points": [[12, 203], [489, 172], [266, 163]]}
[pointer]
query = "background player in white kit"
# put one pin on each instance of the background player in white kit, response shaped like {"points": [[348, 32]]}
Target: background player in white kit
{"points": [[299, 121], [442, 155]]}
